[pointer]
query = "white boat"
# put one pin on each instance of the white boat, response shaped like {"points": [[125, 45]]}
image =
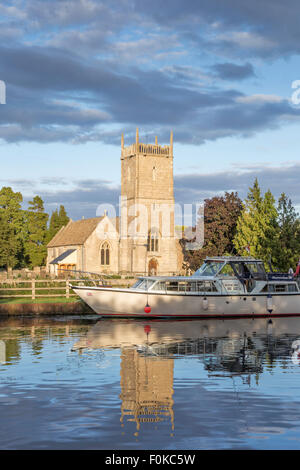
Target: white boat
{"points": [[221, 287]]}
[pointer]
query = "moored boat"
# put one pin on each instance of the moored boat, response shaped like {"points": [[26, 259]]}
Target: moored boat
{"points": [[221, 287]]}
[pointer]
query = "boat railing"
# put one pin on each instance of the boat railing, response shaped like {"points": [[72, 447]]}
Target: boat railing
{"points": [[85, 278], [280, 277]]}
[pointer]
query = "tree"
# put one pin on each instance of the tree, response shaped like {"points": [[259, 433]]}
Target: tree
{"points": [[12, 234], [36, 228], [256, 225], [220, 218], [62, 216], [287, 247], [58, 219], [9, 246]]}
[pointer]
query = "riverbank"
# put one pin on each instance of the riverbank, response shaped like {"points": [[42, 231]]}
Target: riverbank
{"points": [[44, 308]]}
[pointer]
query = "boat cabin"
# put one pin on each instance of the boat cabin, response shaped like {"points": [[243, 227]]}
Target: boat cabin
{"points": [[224, 276]]}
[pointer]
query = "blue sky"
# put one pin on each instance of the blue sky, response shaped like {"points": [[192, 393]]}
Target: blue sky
{"points": [[78, 73]]}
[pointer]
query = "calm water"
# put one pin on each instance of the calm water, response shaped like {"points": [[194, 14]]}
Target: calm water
{"points": [[69, 383]]}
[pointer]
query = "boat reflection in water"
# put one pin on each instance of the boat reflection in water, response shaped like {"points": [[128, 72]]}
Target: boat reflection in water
{"points": [[148, 350]]}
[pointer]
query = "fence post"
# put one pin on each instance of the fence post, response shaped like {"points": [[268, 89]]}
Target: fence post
{"points": [[33, 289], [67, 289]]}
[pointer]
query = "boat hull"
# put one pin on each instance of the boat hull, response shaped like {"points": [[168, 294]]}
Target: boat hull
{"points": [[112, 302]]}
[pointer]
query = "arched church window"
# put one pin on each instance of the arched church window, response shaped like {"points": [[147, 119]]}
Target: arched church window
{"points": [[153, 237], [105, 254]]}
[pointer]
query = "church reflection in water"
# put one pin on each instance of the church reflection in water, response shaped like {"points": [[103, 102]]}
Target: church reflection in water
{"points": [[146, 388], [224, 348]]}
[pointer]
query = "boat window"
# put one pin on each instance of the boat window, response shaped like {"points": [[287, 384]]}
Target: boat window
{"points": [[185, 286], [209, 268], [280, 288], [206, 286], [160, 285], [137, 283], [182, 286], [145, 284], [292, 288], [239, 268], [171, 286], [191, 286], [268, 288], [256, 268], [227, 270], [232, 286]]}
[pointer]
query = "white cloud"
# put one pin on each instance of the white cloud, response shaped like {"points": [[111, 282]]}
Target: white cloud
{"points": [[247, 40], [259, 98]]}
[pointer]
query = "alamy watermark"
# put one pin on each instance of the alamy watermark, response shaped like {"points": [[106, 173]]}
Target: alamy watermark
{"points": [[295, 98], [2, 92], [142, 222]]}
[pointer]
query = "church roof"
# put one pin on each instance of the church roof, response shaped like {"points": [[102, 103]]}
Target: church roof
{"points": [[75, 232], [62, 256]]}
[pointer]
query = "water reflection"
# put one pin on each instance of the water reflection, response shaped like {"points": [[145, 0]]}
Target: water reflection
{"points": [[36, 332], [148, 350], [296, 352], [234, 345], [146, 388], [2, 352], [158, 384]]}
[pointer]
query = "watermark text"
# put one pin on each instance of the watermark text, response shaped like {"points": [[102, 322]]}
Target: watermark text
{"points": [[295, 98], [2, 92]]}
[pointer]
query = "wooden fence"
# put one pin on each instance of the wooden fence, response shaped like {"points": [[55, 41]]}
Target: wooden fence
{"points": [[34, 288], [38, 288]]}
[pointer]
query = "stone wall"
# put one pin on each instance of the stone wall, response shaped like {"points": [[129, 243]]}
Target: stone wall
{"points": [[24, 273]]}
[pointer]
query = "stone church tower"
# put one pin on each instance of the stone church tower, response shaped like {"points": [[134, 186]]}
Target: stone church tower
{"points": [[147, 231], [141, 241]]}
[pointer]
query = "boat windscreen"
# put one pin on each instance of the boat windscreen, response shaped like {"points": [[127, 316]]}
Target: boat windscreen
{"points": [[209, 268], [137, 283], [227, 270], [256, 270], [145, 284]]}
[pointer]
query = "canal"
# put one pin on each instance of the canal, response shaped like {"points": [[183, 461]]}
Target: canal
{"points": [[80, 382]]}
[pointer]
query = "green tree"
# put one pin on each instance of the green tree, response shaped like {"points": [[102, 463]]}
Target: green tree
{"points": [[58, 219], [12, 233], [53, 225], [36, 229], [286, 251], [220, 217], [62, 216], [9, 246], [256, 225]]}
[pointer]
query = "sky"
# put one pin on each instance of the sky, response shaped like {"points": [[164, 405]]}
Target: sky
{"points": [[78, 73]]}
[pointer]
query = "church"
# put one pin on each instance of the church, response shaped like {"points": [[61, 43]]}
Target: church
{"points": [[142, 239]]}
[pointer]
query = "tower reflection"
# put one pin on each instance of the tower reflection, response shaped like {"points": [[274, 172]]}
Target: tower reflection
{"points": [[146, 388]]}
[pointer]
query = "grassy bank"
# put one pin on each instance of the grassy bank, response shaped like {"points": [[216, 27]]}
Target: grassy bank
{"points": [[25, 307], [40, 300]]}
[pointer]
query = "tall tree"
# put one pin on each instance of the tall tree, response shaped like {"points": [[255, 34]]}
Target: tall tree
{"points": [[256, 225], [58, 219], [286, 251], [9, 246], [36, 228], [62, 216], [12, 236]]}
